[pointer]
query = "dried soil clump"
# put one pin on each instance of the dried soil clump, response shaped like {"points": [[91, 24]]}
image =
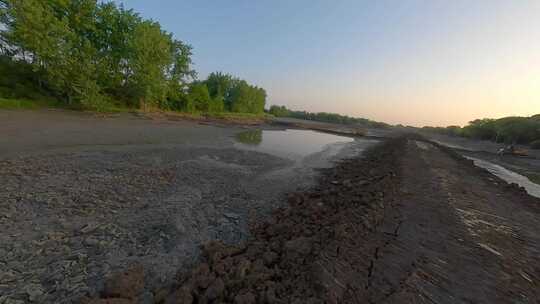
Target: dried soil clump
{"points": [[304, 252]]}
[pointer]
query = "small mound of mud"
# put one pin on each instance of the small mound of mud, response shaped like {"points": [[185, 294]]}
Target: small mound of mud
{"points": [[303, 253]]}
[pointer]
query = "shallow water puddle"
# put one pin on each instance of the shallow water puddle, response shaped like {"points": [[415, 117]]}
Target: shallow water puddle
{"points": [[507, 175], [290, 143]]}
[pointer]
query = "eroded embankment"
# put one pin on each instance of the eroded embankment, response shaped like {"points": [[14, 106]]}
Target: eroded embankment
{"points": [[312, 251]]}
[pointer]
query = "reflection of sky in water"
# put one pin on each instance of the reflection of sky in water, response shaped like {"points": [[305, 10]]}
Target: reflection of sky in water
{"points": [[288, 143], [509, 176]]}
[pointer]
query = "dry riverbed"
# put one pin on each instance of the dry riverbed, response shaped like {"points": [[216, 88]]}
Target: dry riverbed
{"points": [[409, 222], [82, 197], [128, 210], [486, 152]]}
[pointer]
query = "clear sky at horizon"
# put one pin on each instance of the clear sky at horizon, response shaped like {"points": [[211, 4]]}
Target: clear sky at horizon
{"points": [[409, 62]]}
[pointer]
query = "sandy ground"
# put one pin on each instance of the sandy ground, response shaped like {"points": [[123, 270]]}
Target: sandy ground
{"points": [[84, 196]]}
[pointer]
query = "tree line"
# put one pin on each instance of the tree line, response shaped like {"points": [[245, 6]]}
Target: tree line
{"points": [[282, 111], [94, 54], [514, 129]]}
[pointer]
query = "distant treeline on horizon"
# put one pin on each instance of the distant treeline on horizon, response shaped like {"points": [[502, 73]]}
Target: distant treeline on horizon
{"points": [[282, 111], [96, 55], [513, 129]]}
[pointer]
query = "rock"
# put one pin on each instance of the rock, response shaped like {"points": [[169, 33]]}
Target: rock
{"points": [[259, 267], [160, 295], [270, 296], [89, 228], [363, 183], [270, 258], [243, 268], [146, 298], [8, 276], [295, 198], [215, 290], [301, 245], [202, 276], [231, 215], [91, 241], [5, 300], [246, 298], [202, 269], [34, 292], [127, 284], [180, 296]]}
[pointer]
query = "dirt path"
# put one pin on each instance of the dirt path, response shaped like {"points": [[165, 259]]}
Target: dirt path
{"points": [[465, 237], [411, 222]]}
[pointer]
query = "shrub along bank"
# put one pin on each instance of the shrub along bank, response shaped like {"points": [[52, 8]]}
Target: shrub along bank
{"points": [[96, 55], [520, 130]]}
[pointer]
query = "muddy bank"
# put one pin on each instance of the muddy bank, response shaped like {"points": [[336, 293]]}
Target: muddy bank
{"points": [[58, 131], [528, 166], [82, 197], [474, 145], [411, 222], [333, 128], [282, 261]]}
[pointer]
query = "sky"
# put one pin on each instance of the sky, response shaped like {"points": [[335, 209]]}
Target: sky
{"points": [[402, 62]]}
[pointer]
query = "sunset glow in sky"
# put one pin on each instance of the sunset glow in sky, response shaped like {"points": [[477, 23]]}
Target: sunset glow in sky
{"points": [[409, 62]]}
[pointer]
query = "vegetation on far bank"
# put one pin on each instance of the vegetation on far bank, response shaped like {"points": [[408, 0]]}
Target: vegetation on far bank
{"points": [[26, 104], [96, 55], [282, 111], [514, 129], [535, 178]]}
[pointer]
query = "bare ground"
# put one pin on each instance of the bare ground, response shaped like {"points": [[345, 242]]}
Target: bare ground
{"points": [[412, 222], [82, 197], [528, 166]]}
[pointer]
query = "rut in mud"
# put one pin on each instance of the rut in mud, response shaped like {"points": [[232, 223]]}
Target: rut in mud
{"points": [[410, 222]]}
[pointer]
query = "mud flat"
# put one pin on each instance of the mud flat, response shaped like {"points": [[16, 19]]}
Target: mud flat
{"points": [[83, 197], [320, 126], [473, 145], [409, 222], [486, 151]]}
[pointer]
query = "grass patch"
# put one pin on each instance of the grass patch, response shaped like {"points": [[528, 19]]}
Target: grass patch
{"points": [[223, 116], [535, 178], [41, 103], [27, 104], [48, 102], [237, 116]]}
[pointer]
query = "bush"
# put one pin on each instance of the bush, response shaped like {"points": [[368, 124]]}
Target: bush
{"points": [[535, 144], [198, 97], [216, 105]]}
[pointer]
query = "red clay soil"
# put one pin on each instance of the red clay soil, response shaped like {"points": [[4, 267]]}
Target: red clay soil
{"points": [[410, 222]]}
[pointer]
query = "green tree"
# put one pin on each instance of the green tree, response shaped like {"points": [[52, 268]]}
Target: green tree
{"points": [[198, 98], [220, 86], [180, 72], [245, 98], [150, 57], [216, 105], [93, 51], [115, 28], [481, 129], [279, 111]]}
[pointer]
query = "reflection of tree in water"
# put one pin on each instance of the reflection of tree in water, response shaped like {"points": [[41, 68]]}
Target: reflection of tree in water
{"points": [[251, 137]]}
